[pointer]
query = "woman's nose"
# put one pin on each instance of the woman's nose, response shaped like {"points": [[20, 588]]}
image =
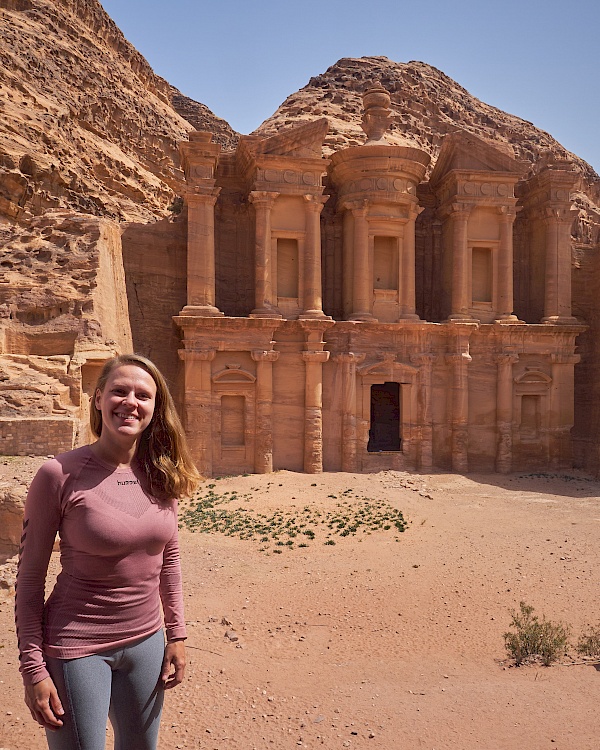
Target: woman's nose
{"points": [[130, 398]]}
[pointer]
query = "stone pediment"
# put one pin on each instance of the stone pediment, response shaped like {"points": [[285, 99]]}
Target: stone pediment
{"points": [[462, 151], [303, 141]]}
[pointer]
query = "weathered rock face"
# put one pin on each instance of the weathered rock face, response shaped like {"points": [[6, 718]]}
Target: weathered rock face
{"points": [[427, 104], [200, 116], [62, 286], [85, 123]]}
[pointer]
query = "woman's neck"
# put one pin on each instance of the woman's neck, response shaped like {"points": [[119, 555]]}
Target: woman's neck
{"points": [[117, 455]]}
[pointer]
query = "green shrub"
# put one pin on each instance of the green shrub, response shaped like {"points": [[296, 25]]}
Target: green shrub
{"points": [[534, 639], [589, 643]]}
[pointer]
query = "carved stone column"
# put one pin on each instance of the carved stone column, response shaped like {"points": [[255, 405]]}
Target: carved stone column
{"points": [[348, 264], [266, 306], [425, 417], [460, 267], [460, 411], [557, 297], [505, 266], [313, 291], [313, 411], [362, 302], [407, 281], [201, 253], [504, 412], [263, 458], [436, 271], [348, 363], [561, 409], [198, 405]]}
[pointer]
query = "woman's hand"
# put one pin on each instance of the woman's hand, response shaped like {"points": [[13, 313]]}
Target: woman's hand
{"points": [[173, 667], [43, 702]]}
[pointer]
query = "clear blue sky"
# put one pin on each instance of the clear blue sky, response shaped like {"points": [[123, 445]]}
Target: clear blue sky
{"points": [[537, 59]]}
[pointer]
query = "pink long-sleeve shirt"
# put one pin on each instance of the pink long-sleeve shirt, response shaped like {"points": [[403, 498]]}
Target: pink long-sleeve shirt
{"points": [[119, 554]]}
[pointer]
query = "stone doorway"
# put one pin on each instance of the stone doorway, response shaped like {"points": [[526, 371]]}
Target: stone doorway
{"points": [[384, 432]]}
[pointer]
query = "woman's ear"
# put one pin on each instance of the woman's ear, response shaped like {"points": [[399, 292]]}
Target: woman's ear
{"points": [[97, 397]]}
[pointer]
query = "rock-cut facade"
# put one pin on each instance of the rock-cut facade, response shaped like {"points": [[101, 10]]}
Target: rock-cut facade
{"points": [[350, 314]]}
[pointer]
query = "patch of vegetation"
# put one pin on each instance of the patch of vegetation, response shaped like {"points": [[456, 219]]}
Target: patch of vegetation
{"points": [[176, 206], [209, 513], [589, 643], [535, 640]]}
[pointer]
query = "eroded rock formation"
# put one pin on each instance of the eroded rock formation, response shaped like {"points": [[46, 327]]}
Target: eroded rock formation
{"points": [[85, 124]]}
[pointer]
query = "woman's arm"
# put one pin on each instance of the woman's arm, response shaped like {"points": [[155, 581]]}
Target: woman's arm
{"points": [[171, 594], [40, 524], [171, 588]]}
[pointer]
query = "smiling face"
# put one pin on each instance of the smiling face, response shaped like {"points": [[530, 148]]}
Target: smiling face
{"points": [[126, 404]]}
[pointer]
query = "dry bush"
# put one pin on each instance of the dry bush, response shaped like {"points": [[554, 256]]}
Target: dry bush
{"points": [[534, 639], [589, 642]]}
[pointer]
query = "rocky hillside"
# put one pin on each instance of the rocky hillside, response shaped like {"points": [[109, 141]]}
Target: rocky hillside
{"points": [[85, 123], [427, 104]]}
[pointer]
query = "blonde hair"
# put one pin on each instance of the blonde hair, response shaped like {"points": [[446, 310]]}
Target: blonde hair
{"points": [[163, 450]]}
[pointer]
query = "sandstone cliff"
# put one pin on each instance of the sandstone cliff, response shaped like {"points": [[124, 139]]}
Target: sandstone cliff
{"points": [[85, 124]]}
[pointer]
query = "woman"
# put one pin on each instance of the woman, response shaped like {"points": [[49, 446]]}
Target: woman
{"points": [[96, 648]]}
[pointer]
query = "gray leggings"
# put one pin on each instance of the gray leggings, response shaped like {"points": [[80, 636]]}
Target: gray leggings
{"points": [[122, 684]]}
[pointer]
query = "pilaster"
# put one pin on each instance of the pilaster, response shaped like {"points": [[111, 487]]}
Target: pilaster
{"points": [[504, 411], [263, 462], [198, 405], [349, 362], [460, 267], [460, 410], [313, 410], [425, 418]]}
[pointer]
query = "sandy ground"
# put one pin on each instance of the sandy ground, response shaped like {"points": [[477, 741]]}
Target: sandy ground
{"points": [[382, 640]]}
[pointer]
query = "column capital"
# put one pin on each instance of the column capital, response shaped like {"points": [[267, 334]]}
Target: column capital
{"points": [[262, 198], [460, 210], [349, 358], [423, 358], [458, 358], [507, 213], [558, 358], [357, 207], [558, 214], [315, 202], [202, 196], [414, 210], [315, 357], [199, 355], [506, 358], [264, 355]]}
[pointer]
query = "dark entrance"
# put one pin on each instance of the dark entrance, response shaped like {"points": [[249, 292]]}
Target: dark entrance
{"points": [[384, 434]]}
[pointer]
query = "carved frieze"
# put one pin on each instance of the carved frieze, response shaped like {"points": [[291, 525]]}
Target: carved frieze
{"points": [[290, 177]]}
